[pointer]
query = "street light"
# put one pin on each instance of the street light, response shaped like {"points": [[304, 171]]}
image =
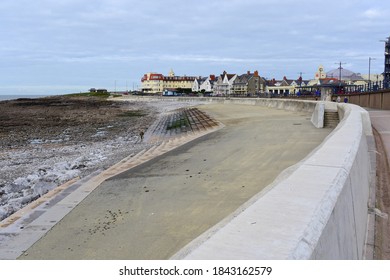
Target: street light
{"points": [[300, 82], [369, 72], [340, 68]]}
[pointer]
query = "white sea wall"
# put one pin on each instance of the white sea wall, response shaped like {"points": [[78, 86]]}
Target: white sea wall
{"points": [[317, 118], [316, 209]]}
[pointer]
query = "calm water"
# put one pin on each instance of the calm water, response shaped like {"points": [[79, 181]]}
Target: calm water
{"points": [[10, 97]]}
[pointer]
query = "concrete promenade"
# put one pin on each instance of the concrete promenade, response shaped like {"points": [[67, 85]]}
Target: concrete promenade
{"points": [[380, 120], [322, 208], [155, 209]]}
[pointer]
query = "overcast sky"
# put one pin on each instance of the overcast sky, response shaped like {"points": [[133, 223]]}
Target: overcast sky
{"points": [[62, 46]]}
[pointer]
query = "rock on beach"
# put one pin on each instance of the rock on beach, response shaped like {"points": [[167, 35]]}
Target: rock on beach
{"points": [[46, 142]]}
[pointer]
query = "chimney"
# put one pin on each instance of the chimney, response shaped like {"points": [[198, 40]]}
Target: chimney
{"points": [[256, 73], [249, 72]]}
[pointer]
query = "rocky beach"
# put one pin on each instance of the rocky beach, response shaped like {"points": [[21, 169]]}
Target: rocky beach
{"points": [[46, 142]]}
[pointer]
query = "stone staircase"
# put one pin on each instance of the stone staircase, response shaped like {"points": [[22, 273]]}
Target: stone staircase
{"points": [[331, 119]]}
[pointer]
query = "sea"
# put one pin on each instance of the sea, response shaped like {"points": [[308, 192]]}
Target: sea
{"points": [[16, 96]]}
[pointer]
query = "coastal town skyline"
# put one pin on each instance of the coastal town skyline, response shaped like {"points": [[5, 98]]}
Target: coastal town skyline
{"points": [[70, 46]]}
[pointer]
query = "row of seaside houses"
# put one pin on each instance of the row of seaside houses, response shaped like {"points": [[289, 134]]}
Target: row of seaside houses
{"points": [[252, 84], [222, 85]]}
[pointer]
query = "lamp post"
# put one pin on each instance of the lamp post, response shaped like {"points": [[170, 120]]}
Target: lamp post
{"points": [[300, 82], [386, 73], [340, 68], [369, 72]]}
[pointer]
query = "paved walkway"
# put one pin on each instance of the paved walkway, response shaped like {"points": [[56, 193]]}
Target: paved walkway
{"points": [[153, 210], [380, 120]]}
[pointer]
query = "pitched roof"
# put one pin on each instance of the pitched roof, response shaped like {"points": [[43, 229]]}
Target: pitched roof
{"points": [[243, 79], [229, 76], [274, 82], [201, 80]]}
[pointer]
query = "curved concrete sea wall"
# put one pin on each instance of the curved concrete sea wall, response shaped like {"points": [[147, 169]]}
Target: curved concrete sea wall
{"points": [[316, 209], [286, 104]]}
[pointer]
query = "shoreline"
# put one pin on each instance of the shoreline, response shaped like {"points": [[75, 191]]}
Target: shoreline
{"points": [[46, 142], [44, 146], [9, 97]]}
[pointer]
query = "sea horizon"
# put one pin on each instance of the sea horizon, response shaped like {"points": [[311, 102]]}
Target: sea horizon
{"points": [[4, 97]]}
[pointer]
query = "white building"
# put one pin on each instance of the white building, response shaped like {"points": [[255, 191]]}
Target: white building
{"points": [[224, 84], [204, 84]]}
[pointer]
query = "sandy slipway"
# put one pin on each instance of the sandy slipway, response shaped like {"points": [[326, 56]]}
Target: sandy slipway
{"points": [[48, 141]]}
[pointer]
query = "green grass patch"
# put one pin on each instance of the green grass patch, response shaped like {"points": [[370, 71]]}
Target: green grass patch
{"points": [[78, 94], [179, 123], [90, 94]]}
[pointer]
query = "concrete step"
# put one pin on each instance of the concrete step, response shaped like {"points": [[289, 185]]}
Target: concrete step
{"points": [[331, 119], [178, 123]]}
